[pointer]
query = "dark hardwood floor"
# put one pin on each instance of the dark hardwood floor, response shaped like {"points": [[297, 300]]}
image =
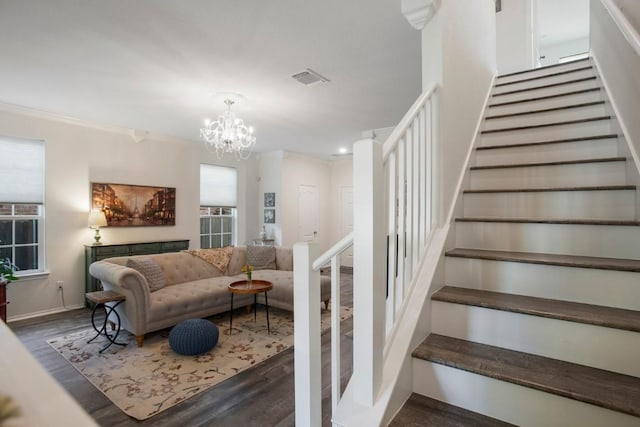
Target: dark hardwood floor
{"points": [[260, 396]]}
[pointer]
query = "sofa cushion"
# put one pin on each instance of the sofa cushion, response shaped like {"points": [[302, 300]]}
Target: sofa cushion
{"points": [[261, 257], [150, 270]]}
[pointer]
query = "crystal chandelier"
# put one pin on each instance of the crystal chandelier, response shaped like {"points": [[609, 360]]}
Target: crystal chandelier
{"points": [[228, 134]]}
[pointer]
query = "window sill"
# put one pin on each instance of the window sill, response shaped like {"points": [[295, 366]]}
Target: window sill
{"points": [[32, 276]]}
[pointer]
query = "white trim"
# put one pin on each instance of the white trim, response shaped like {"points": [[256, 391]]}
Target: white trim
{"points": [[135, 134], [44, 312], [628, 31], [31, 276]]}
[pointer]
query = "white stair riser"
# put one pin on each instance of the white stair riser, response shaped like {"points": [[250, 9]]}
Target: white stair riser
{"points": [[581, 150], [545, 81], [547, 133], [596, 346], [561, 101], [607, 241], [547, 91], [509, 402], [619, 204], [585, 285], [571, 175], [543, 72], [576, 113]]}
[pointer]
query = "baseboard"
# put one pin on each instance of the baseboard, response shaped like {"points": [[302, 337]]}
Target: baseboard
{"points": [[44, 313]]}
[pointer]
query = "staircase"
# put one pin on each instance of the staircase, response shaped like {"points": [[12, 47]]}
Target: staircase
{"points": [[538, 323]]}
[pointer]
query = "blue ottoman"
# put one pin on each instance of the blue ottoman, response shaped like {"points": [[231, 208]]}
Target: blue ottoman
{"points": [[193, 336]]}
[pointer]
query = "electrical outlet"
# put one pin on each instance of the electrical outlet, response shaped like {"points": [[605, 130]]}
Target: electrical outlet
{"points": [[60, 283]]}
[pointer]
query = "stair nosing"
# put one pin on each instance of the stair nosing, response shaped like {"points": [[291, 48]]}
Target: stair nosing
{"points": [[558, 163], [542, 98], [551, 189], [554, 141], [546, 110], [603, 222], [568, 82], [545, 76], [544, 125], [543, 68], [536, 372], [596, 263], [569, 311]]}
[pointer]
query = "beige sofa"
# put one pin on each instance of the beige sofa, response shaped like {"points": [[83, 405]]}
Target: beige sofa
{"points": [[193, 288]]}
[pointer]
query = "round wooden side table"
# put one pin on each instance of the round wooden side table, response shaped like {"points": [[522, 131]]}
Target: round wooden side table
{"points": [[255, 287]]}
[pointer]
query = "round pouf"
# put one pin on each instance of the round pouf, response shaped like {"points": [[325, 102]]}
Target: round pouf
{"points": [[193, 336]]}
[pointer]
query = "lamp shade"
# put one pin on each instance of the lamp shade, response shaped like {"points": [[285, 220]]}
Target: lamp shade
{"points": [[97, 219]]}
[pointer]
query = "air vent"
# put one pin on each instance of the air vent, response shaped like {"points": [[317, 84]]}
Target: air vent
{"points": [[309, 77]]}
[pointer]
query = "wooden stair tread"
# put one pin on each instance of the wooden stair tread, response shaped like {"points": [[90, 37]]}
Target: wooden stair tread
{"points": [[546, 110], [542, 68], [631, 265], [546, 97], [610, 390], [553, 141], [558, 163], [545, 76], [545, 125], [547, 86], [597, 315], [614, 222], [536, 190], [422, 411]]}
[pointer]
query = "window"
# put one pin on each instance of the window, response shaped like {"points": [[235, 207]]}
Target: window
{"points": [[216, 227], [217, 206], [22, 204]]}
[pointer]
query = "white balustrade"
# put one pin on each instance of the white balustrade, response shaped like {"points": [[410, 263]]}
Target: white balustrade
{"points": [[392, 230]]}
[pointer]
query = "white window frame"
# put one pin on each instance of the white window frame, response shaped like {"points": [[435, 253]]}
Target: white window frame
{"points": [[39, 218], [209, 213]]}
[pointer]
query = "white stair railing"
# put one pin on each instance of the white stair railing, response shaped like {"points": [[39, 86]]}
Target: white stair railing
{"points": [[394, 194]]}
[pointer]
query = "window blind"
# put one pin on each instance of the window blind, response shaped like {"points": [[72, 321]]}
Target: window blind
{"points": [[22, 171], [218, 186]]}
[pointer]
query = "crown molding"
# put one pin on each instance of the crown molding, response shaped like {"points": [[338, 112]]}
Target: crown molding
{"points": [[419, 12], [135, 134]]}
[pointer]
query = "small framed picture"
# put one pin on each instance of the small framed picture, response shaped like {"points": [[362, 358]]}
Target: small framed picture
{"points": [[269, 200], [269, 216]]}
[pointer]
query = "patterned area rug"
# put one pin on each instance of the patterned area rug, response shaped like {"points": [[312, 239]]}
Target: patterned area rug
{"points": [[145, 381]]}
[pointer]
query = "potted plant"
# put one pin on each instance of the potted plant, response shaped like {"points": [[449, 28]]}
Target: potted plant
{"points": [[7, 270]]}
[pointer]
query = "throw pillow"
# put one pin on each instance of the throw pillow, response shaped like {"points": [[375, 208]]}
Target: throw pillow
{"points": [[150, 270], [261, 257]]}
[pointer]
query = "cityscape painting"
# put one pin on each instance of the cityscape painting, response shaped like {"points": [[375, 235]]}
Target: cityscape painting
{"points": [[134, 205]]}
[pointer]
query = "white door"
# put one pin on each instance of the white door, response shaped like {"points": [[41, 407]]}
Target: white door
{"points": [[307, 213], [346, 222]]}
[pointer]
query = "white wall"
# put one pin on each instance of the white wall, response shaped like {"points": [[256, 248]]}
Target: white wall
{"points": [[514, 37], [270, 181], [77, 154], [459, 51]]}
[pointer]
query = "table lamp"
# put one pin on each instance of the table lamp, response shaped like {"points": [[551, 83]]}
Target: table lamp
{"points": [[97, 219]]}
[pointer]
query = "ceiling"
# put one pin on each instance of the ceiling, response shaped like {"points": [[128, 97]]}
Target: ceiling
{"points": [[562, 21], [159, 66]]}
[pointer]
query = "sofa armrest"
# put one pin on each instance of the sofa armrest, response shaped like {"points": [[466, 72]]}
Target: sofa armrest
{"points": [[284, 258], [132, 285]]}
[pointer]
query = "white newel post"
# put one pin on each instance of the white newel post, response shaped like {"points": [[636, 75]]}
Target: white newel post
{"points": [[369, 274], [306, 332]]}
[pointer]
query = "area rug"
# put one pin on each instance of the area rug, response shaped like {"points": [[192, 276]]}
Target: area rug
{"points": [[145, 381]]}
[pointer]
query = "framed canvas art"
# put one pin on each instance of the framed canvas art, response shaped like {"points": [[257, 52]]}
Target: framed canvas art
{"points": [[269, 216], [127, 205], [269, 200]]}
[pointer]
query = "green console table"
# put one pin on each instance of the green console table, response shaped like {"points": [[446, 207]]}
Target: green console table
{"points": [[95, 253]]}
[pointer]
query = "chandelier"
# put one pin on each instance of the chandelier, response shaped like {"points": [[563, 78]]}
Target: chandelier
{"points": [[228, 134]]}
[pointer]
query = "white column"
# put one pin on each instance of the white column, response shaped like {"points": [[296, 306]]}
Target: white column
{"points": [[306, 333], [369, 270]]}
